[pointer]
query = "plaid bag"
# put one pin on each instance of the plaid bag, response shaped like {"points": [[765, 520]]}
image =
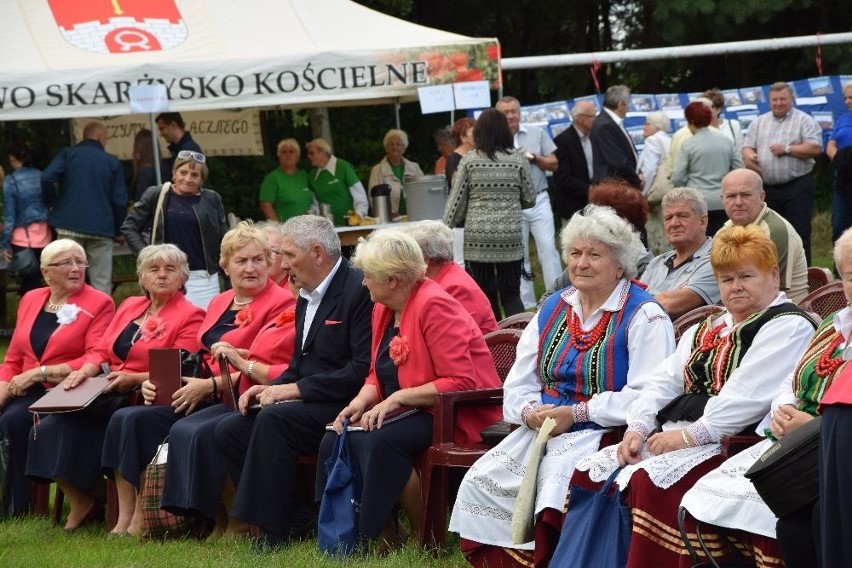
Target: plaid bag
{"points": [[160, 524]]}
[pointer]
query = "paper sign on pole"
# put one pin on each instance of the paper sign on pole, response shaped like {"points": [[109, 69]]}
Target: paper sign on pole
{"points": [[473, 94], [436, 99], [148, 98]]}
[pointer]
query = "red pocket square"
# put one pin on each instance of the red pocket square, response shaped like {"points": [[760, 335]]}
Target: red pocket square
{"points": [[333, 322]]}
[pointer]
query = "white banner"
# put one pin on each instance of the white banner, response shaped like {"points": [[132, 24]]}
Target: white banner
{"points": [[219, 133], [75, 58]]}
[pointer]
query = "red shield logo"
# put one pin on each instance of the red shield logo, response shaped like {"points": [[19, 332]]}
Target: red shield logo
{"points": [[119, 26]]}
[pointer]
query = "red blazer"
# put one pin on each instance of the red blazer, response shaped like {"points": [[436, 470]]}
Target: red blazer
{"points": [[72, 343], [273, 345], [463, 288], [840, 391], [445, 347], [181, 319], [271, 301]]}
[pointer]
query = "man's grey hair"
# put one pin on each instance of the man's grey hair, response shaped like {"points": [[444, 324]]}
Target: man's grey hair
{"points": [[686, 195], [309, 230], [615, 95], [602, 224], [508, 99], [434, 238]]}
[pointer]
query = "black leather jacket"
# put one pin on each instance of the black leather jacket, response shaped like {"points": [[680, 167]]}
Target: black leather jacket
{"points": [[211, 220]]}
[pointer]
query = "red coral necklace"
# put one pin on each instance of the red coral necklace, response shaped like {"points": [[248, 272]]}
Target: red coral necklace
{"points": [[826, 365], [583, 340]]}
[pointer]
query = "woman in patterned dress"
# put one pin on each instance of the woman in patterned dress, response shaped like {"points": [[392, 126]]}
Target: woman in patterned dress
{"points": [[493, 183], [581, 360]]}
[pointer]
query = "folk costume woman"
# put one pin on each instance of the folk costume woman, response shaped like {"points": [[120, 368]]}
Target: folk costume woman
{"points": [[581, 360], [719, 382]]}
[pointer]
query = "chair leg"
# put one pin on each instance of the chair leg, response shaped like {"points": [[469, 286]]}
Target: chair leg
{"points": [[58, 500], [111, 504], [40, 499], [425, 535], [439, 509]]}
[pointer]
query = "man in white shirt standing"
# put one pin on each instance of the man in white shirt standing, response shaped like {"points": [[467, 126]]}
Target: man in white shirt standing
{"points": [[539, 150]]}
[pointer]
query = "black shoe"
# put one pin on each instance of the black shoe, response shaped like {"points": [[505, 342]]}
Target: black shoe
{"points": [[268, 542]]}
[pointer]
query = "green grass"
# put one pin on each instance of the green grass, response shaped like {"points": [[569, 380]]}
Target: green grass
{"points": [[32, 542]]}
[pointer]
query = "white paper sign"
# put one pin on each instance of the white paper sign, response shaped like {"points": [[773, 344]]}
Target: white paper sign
{"points": [[148, 98], [436, 99], [474, 94]]}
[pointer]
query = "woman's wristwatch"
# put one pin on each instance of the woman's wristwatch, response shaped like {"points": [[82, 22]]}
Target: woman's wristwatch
{"points": [[43, 370]]}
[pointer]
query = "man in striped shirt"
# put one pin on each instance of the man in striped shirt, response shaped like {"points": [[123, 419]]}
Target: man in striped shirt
{"points": [[781, 146]]}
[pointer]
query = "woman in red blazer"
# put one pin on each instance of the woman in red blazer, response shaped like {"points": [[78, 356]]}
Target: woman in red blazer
{"points": [[436, 242], [196, 478], [234, 316], [67, 447], [424, 343], [57, 328]]}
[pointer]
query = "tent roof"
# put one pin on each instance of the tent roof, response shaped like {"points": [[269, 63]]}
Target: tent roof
{"points": [[75, 58]]}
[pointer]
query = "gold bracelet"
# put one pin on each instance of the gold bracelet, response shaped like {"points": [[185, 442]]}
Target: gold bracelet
{"points": [[685, 439]]}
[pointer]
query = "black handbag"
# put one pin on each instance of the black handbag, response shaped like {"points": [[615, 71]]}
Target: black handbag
{"points": [[786, 476], [194, 365]]}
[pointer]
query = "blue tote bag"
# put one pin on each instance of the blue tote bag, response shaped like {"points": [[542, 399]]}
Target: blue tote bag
{"points": [[337, 526], [596, 531]]}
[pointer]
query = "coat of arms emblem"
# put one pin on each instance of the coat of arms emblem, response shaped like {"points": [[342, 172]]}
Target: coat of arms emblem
{"points": [[119, 26]]}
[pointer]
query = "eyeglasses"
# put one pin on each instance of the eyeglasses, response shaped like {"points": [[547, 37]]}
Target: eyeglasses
{"points": [[68, 264], [190, 155]]}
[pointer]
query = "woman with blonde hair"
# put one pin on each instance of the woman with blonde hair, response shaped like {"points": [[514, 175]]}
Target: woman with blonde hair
{"points": [[424, 343]]}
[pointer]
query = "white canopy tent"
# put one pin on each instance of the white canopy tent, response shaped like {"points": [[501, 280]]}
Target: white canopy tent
{"points": [[69, 58]]}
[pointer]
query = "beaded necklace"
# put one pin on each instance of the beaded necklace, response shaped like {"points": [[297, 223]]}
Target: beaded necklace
{"points": [[138, 333], [583, 340], [246, 303], [826, 365]]}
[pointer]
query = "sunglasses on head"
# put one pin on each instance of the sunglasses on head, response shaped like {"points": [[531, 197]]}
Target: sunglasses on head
{"points": [[190, 155]]}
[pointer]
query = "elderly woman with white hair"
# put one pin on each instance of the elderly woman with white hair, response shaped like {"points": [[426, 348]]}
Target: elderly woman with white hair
{"points": [[56, 329], [581, 361], [423, 343], [395, 170], [436, 241], [657, 145], [334, 182], [67, 447]]}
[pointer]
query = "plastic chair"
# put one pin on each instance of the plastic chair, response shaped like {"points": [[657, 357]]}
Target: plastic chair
{"points": [[517, 321], [443, 454], [693, 317], [818, 277], [825, 301]]}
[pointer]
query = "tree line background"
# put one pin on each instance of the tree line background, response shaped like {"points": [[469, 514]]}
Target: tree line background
{"points": [[537, 27]]}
